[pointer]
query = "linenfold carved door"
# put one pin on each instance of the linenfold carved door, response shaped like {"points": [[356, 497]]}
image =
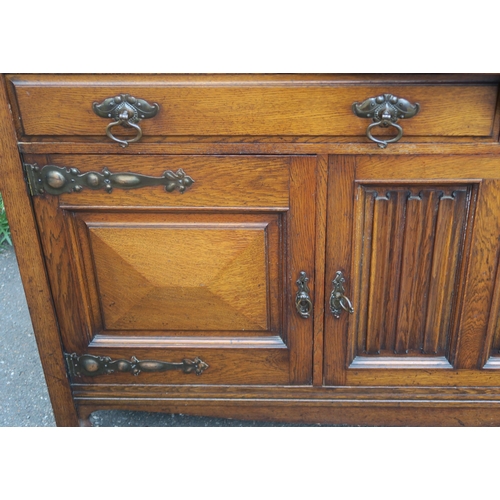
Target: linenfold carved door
{"points": [[415, 256], [192, 276]]}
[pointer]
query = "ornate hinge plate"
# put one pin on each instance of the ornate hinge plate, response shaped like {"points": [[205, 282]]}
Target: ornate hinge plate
{"points": [[31, 178], [88, 365], [56, 180]]}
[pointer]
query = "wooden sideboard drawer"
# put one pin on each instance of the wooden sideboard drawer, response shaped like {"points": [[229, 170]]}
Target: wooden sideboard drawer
{"points": [[255, 106]]}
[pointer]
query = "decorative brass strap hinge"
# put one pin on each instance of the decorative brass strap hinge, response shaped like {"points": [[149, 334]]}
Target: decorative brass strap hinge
{"points": [[88, 365], [31, 176], [55, 180]]}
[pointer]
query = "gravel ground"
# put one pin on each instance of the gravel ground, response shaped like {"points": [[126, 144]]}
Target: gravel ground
{"points": [[24, 400]]}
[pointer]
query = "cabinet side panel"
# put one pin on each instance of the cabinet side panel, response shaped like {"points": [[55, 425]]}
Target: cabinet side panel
{"points": [[32, 269]]}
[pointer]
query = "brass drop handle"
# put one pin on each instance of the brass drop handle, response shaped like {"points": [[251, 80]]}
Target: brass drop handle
{"points": [[385, 110], [127, 111], [303, 302], [338, 300], [124, 122]]}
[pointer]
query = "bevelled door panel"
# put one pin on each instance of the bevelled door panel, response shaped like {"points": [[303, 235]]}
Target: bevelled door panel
{"points": [[188, 273], [404, 277], [145, 284]]}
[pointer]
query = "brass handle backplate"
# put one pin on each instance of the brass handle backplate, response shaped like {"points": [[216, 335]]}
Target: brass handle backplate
{"points": [[127, 111], [385, 110], [338, 300], [303, 301]]}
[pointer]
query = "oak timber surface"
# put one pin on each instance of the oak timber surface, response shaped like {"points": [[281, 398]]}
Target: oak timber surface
{"points": [[249, 107], [413, 228], [219, 181]]}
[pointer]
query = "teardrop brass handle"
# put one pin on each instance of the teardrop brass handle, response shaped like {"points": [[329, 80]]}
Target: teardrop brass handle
{"points": [[303, 302], [385, 110], [127, 111], [338, 300]]}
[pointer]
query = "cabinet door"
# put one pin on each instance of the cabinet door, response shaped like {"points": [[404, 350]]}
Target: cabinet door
{"points": [[165, 279], [413, 245]]}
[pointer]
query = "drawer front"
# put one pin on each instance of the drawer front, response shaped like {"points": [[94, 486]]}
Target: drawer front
{"points": [[211, 106]]}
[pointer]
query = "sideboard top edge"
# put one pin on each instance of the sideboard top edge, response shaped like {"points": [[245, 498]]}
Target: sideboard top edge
{"points": [[84, 79]]}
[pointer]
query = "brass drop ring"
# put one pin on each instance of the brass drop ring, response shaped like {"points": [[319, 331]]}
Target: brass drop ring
{"points": [[125, 123], [383, 144]]}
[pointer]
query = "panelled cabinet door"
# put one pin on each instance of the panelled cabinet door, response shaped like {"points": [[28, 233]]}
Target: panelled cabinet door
{"points": [[167, 267], [412, 259]]}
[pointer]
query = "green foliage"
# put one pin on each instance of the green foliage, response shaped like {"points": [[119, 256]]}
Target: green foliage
{"points": [[4, 225]]}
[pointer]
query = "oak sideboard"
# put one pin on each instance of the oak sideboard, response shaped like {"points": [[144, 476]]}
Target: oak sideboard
{"points": [[301, 248]]}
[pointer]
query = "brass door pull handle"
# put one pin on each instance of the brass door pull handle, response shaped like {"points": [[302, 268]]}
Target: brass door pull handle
{"points": [[338, 301], [127, 111], [303, 301], [385, 110]]}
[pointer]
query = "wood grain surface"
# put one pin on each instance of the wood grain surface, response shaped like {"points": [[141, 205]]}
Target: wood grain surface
{"points": [[219, 181], [483, 266], [319, 271], [268, 146], [181, 276], [338, 258], [300, 107]]}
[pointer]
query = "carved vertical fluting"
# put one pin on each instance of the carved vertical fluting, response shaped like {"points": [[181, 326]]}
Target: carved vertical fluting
{"points": [[411, 240], [382, 214], [393, 276], [362, 289], [448, 244], [419, 232]]}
